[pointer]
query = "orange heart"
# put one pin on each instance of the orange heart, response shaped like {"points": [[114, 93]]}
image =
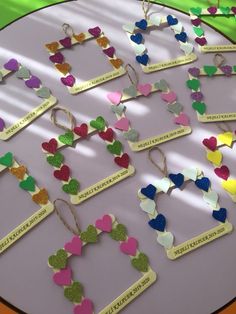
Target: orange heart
{"points": [[63, 68], [80, 38], [117, 63], [103, 41], [41, 197], [19, 172], [53, 47]]}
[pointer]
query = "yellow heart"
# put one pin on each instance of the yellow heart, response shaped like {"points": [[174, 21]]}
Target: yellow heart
{"points": [[226, 138], [215, 157], [229, 186]]}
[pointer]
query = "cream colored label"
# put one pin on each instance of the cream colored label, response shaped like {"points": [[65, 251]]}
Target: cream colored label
{"points": [[26, 226], [130, 294], [217, 117], [217, 48], [155, 140], [102, 185], [77, 88], [199, 240]]}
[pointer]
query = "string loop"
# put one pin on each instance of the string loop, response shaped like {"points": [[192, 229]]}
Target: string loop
{"points": [[68, 30], [136, 78], [146, 8], [162, 169], [70, 117]]}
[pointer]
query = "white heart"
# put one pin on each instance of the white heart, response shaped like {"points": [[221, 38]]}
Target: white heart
{"points": [[166, 239], [190, 173], [186, 47], [211, 198], [163, 184], [177, 27], [139, 49], [129, 27], [148, 206], [155, 20]]}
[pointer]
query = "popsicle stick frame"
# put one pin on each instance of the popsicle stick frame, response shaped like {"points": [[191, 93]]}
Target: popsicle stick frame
{"points": [[33, 82], [67, 79], [38, 195], [73, 290], [214, 156], [180, 118], [200, 39], [197, 96], [62, 171], [158, 221], [133, 31]]}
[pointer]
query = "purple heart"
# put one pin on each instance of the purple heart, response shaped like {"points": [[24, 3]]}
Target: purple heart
{"points": [[96, 31], [68, 80], [201, 41], [109, 51], [57, 58], [212, 10], [196, 22], [226, 69], [233, 9], [194, 71], [66, 42], [198, 96], [2, 124], [33, 82], [12, 65]]}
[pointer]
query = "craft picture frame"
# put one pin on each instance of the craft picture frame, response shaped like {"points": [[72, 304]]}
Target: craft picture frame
{"points": [[13, 67], [74, 87], [200, 39], [128, 245], [39, 196], [158, 221], [134, 33]]}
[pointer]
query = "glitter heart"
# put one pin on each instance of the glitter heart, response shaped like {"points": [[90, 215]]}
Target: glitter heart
{"points": [[98, 124], [169, 97], [210, 70], [163, 184], [220, 214], [62, 174], [104, 224], [186, 47], [69, 80], [67, 138], [119, 233], [28, 184], [122, 124], [63, 68], [85, 307], [90, 235], [148, 206], [211, 198], [107, 135], [196, 11], [210, 143], [194, 71], [115, 97], [182, 119], [55, 160], [122, 161], [212, 10], [18, 172], [72, 187], [118, 109], [23, 72], [175, 108], [155, 20], [227, 70], [142, 59], [132, 135], [66, 42], [198, 31], [200, 107], [193, 84], [222, 172], [190, 173], [196, 22], [103, 41], [7, 159], [57, 58], [81, 130], [63, 277], [43, 92], [129, 247], [158, 223], [137, 38], [33, 82], [109, 52], [117, 63], [139, 49], [41, 197], [203, 184], [80, 37], [96, 31], [11, 65], [229, 186], [129, 27], [140, 263], [58, 260], [177, 179], [226, 138], [201, 41], [166, 239], [149, 191], [2, 124], [115, 148], [130, 91], [50, 146], [142, 24], [181, 37], [198, 96], [144, 89], [74, 293], [52, 47], [215, 157], [74, 247], [162, 86], [171, 20]]}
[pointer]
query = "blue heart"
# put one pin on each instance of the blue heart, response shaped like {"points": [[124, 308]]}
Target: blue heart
{"points": [[142, 24], [158, 223], [220, 214], [177, 179], [203, 184], [172, 20], [137, 38], [142, 59], [149, 191], [181, 37]]}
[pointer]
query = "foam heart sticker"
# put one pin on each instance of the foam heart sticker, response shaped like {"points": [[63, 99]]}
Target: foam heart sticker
{"points": [[166, 239], [55, 160], [74, 247], [58, 260], [104, 224], [23, 73], [162, 86], [72, 187], [41, 198], [116, 63], [201, 41], [190, 173], [130, 91], [81, 130], [107, 135], [57, 58], [149, 191], [226, 138], [43, 92], [182, 119], [148, 206], [215, 157], [33, 82], [163, 184], [142, 59], [18, 172], [62, 174], [210, 143], [186, 47], [122, 124], [227, 70], [66, 42], [115, 97], [103, 41], [90, 235], [181, 37], [80, 37], [197, 96], [11, 65], [139, 49], [193, 84], [220, 214], [96, 31], [28, 184], [98, 124], [2, 124], [194, 71], [52, 47], [115, 148], [119, 233], [212, 10], [225, 10], [211, 198], [169, 97], [7, 159], [171, 20], [69, 80], [74, 293], [229, 186], [233, 9], [63, 277], [132, 135], [158, 223], [129, 27], [177, 28], [196, 11], [109, 52], [118, 109], [200, 107], [63, 68], [198, 31], [142, 24], [203, 184], [122, 161], [196, 22], [129, 247], [210, 70], [86, 307], [67, 138], [222, 172], [155, 20], [140, 263], [137, 38], [144, 89], [177, 179]]}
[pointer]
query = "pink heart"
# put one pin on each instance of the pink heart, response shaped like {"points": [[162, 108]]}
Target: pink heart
{"points": [[69, 80], [144, 89], [2, 124], [95, 31], [212, 10], [222, 172], [115, 97], [169, 97], [109, 51], [182, 119], [63, 277], [66, 42], [201, 41], [233, 9], [104, 224], [196, 22], [57, 58], [74, 246], [122, 124], [129, 247], [86, 307]]}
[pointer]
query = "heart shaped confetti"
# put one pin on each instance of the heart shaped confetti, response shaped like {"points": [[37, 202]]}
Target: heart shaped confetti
{"points": [[227, 70], [226, 138], [41, 197], [171, 20], [67, 138], [139, 49], [198, 31], [190, 173], [142, 24], [33, 82], [115, 148], [193, 84], [130, 27], [81, 130], [62, 174], [18, 172], [155, 20], [23, 73], [11, 65], [169, 97], [163, 184], [74, 247], [57, 58], [118, 109], [55, 160], [69, 80], [212, 10], [98, 124], [215, 157], [107, 135], [148, 206], [109, 52], [2, 124], [220, 214], [177, 179], [122, 161], [225, 10], [63, 277], [162, 86], [43, 92], [142, 59], [186, 47], [132, 135], [166, 239], [144, 89], [210, 143], [181, 37], [175, 108], [58, 261], [129, 247], [116, 63], [222, 172], [182, 119], [96, 31], [90, 235], [194, 71], [229, 186], [137, 38], [211, 198], [122, 124], [72, 187], [63, 68], [196, 11], [210, 70], [158, 223], [66, 42], [140, 263], [177, 28], [197, 96], [103, 41], [201, 41], [80, 37], [85, 307], [233, 9], [119, 233], [74, 293], [203, 184], [149, 191], [196, 22], [130, 91], [115, 97], [7, 159], [104, 224], [28, 184], [200, 107], [52, 47]]}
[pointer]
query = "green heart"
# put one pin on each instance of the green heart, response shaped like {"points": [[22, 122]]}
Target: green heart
{"points": [[58, 261], [23, 72], [198, 31], [90, 235], [98, 124], [132, 135], [225, 10], [119, 233], [115, 148], [140, 263], [28, 184], [67, 138], [130, 91], [196, 11], [118, 109], [210, 70], [43, 92], [1, 76], [55, 160], [193, 84], [72, 187], [74, 293], [200, 107], [234, 67], [7, 159], [162, 86]]}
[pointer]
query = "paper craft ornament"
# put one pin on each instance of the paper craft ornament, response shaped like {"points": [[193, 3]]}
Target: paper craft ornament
{"points": [[32, 82], [56, 56], [73, 289], [38, 195], [197, 13]]}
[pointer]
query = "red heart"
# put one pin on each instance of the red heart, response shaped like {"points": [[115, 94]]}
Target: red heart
{"points": [[63, 173], [82, 130], [222, 172], [107, 135], [122, 161], [50, 146], [210, 143]]}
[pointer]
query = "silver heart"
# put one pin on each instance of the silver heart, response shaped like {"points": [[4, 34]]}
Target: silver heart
{"points": [[130, 91], [23, 73], [131, 135], [1, 76], [162, 85], [43, 92], [175, 108], [118, 109]]}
